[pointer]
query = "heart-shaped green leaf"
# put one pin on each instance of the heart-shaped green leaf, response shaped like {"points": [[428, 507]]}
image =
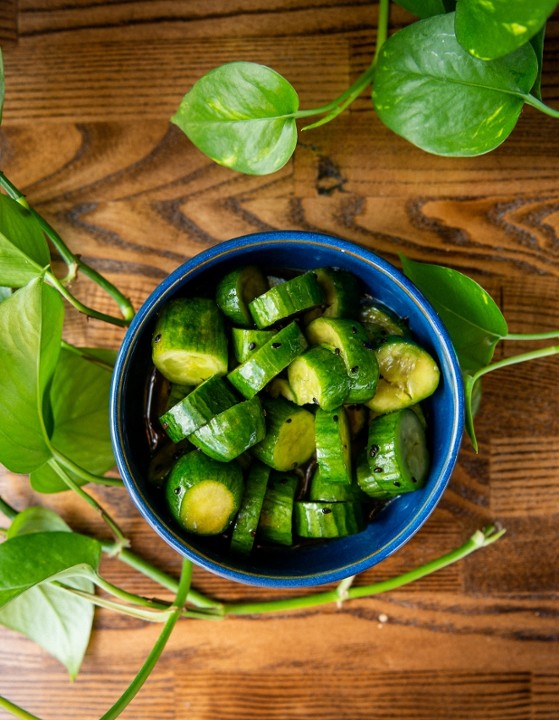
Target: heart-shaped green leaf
{"points": [[79, 399], [490, 29], [30, 332], [50, 616], [471, 316], [429, 90], [241, 115]]}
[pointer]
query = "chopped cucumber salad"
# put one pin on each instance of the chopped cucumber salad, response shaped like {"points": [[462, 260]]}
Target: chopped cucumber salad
{"points": [[292, 408]]}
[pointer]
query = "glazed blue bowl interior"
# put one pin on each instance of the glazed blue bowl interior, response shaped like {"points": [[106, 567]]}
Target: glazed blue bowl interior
{"points": [[310, 564]]}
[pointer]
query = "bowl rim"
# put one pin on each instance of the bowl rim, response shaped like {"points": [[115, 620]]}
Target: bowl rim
{"points": [[192, 268]]}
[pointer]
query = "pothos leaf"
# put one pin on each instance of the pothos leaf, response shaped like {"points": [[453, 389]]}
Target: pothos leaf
{"points": [[473, 320], [30, 332], [241, 115], [489, 30], [50, 616], [79, 400], [24, 251], [429, 90]]}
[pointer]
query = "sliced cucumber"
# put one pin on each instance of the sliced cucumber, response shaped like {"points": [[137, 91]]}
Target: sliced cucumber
{"points": [[397, 451], [408, 375], [286, 299], [204, 495], [349, 339], [380, 322], [328, 519], [210, 398], [232, 432], [255, 373], [341, 290], [246, 522], [189, 343], [290, 436], [276, 518], [318, 376], [333, 446], [246, 341], [237, 289]]}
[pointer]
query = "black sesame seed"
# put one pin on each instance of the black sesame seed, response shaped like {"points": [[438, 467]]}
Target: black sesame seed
{"points": [[289, 420], [397, 483], [177, 491], [373, 450], [326, 510], [354, 329], [337, 351], [335, 418], [355, 368], [157, 338], [378, 470], [315, 401], [276, 345], [251, 345]]}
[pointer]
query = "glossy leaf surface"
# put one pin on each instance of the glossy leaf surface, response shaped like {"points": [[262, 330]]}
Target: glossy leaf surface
{"points": [[429, 90], [241, 115], [489, 29]]}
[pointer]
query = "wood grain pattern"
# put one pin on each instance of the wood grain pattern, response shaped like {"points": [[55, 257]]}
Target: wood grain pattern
{"points": [[90, 88]]}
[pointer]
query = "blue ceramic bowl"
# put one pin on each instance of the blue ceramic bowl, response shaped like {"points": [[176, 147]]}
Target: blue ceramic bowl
{"points": [[311, 564]]}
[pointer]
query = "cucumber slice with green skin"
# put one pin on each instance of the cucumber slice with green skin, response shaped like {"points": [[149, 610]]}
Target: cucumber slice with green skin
{"points": [[246, 341], [368, 483], [255, 373], [290, 435], [236, 290], [397, 451], [349, 339], [289, 298], [328, 519], [232, 432], [189, 343], [319, 376], [208, 399], [333, 446], [203, 495], [341, 290], [326, 491], [246, 522], [276, 517], [408, 375], [380, 322]]}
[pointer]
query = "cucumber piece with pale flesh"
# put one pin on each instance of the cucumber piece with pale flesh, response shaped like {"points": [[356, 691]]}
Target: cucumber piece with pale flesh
{"points": [[408, 375], [290, 435], [189, 342], [203, 495]]}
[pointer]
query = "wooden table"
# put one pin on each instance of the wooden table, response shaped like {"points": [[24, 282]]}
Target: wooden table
{"points": [[86, 135]]}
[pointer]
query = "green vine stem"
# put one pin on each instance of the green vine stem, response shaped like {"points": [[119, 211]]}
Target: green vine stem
{"points": [[16, 710], [337, 106], [84, 474], [75, 264], [514, 360], [153, 657], [540, 105], [552, 334]]}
